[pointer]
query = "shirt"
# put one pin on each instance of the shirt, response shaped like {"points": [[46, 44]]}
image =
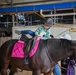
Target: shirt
{"points": [[44, 33]]}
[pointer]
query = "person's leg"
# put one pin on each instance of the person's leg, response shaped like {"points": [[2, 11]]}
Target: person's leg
{"points": [[56, 70], [30, 32]]}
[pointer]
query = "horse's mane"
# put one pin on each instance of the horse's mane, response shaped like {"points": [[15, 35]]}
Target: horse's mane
{"points": [[56, 47], [61, 41], [65, 43], [57, 43]]}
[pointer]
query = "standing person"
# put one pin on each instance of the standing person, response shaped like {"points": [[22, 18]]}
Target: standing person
{"points": [[69, 61]]}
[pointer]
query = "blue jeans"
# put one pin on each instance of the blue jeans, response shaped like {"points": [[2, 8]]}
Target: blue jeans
{"points": [[56, 70], [30, 32]]}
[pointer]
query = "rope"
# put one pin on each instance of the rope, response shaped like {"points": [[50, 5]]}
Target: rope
{"points": [[71, 28], [61, 33]]}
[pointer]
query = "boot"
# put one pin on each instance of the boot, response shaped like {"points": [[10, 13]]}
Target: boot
{"points": [[18, 32]]}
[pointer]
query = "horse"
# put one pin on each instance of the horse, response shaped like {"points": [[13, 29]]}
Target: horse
{"points": [[49, 52]]}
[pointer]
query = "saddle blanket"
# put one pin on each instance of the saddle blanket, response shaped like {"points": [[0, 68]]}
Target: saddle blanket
{"points": [[18, 49]]}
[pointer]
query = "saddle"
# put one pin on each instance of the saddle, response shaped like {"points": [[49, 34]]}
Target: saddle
{"points": [[25, 48], [21, 47], [31, 47]]}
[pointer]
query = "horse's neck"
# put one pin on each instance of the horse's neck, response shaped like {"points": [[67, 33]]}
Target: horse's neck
{"points": [[57, 50]]}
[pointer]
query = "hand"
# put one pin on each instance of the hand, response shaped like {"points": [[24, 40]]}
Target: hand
{"points": [[38, 37]]}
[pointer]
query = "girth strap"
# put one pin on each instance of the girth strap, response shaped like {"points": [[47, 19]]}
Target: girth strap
{"points": [[51, 60]]}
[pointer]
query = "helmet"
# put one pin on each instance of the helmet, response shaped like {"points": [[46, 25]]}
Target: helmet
{"points": [[49, 22], [66, 36]]}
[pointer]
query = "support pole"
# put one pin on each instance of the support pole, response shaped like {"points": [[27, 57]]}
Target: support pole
{"points": [[13, 20], [74, 20]]}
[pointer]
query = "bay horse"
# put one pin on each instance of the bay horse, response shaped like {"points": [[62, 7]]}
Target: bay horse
{"points": [[49, 52]]}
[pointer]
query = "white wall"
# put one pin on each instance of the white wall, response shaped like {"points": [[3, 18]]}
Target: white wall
{"points": [[56, 31]]}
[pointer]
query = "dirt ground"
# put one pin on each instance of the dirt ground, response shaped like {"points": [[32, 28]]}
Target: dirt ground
{"points": [[22, 73]]}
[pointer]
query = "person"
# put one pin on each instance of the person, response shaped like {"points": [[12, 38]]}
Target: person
{"points": [[69, 61], [66, 36], [44, 30]]}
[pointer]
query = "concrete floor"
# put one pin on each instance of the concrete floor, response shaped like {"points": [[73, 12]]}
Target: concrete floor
{"points": [[22, 73]]}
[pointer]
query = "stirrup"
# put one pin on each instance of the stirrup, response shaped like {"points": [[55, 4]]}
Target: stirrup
{"points": [[26, 60]]}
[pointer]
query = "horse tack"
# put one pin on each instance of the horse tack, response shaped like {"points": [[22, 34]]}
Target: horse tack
{"points": [[51, 60], [31, 47], [17, 50], [34, 47], [27, 48]]}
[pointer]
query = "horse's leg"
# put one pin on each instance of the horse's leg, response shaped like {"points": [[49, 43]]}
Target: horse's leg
{"points": [[4, 68], [38, 72], [13, 70], [49, 73]]}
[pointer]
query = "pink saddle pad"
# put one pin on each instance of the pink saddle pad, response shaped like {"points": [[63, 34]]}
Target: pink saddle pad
{"points": [[18, 49]]}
